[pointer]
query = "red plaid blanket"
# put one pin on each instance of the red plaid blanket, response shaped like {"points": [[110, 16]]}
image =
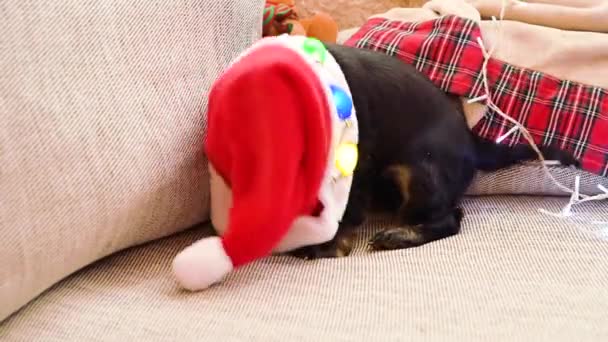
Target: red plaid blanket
{"points": [[569, 115]]}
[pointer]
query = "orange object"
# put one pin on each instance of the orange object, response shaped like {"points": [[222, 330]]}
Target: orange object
{"points": [[281, 16]]}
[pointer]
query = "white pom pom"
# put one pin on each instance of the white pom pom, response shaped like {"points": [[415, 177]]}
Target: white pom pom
{"points": [[202, 264]]}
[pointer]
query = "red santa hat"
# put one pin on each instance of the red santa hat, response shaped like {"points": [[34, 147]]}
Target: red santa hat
{"points": [[282, 146]]}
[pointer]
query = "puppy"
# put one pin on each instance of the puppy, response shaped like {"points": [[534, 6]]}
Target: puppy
{"points": [[417, 156]]}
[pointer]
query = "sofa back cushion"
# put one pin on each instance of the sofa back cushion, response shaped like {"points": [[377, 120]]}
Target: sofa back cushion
{"points": [[102, 119]]}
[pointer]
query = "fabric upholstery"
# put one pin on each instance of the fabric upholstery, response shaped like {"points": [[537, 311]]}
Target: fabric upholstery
{"points": [[512, 274], [575, 15], [531, 179], [101, 123]]}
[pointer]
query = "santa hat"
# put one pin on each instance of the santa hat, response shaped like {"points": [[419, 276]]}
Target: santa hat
{"points": [[282, 146]]}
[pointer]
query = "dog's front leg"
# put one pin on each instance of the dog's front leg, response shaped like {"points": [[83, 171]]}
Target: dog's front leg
{"points": [[354, 215]]}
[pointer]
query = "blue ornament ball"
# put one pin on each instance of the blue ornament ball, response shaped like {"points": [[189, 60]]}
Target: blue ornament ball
{"points": [[344, 104]]}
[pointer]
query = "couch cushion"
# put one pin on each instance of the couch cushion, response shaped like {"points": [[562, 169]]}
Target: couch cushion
{"points": [[512, 274], [531, 179], [102, 118]]}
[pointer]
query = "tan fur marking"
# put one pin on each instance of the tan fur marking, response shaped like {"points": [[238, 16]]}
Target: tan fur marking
{"points": [[343, 247], [402, 175], [410, 234]]}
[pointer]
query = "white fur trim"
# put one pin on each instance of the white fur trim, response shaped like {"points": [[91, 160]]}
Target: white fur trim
{"points": [[309, 230], [202, 264], [335, 188]]}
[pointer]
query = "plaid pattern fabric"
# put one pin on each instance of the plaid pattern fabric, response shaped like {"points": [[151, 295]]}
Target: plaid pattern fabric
{"points": [[568, 115]]}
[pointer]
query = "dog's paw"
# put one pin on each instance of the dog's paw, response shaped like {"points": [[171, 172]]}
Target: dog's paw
{"points": [[337, 248], [396, 238]]}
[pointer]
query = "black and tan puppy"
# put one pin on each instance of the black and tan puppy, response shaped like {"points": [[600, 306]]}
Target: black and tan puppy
{"points": [[417, 154]]}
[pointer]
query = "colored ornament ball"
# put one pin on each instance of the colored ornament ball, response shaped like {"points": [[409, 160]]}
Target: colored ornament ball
{"points": [[347, 155], [344, 104], [315, 48]]}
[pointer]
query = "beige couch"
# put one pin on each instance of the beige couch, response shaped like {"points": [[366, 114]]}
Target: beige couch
{"points": [[101, 173]]}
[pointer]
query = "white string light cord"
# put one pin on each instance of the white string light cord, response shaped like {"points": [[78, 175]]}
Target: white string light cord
{"points": [[576, 197]]}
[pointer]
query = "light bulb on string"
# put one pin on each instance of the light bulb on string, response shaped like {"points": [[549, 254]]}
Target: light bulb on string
{"points": [[347, 155]]}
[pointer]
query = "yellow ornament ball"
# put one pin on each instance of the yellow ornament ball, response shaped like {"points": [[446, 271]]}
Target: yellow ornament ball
{"points": [[347, 155]]}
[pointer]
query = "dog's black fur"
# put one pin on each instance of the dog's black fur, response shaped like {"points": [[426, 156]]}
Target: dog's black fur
{"points": [[417, 156]]}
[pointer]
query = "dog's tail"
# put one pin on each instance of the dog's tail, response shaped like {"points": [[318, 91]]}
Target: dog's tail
{"points": [[492, 156]]}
